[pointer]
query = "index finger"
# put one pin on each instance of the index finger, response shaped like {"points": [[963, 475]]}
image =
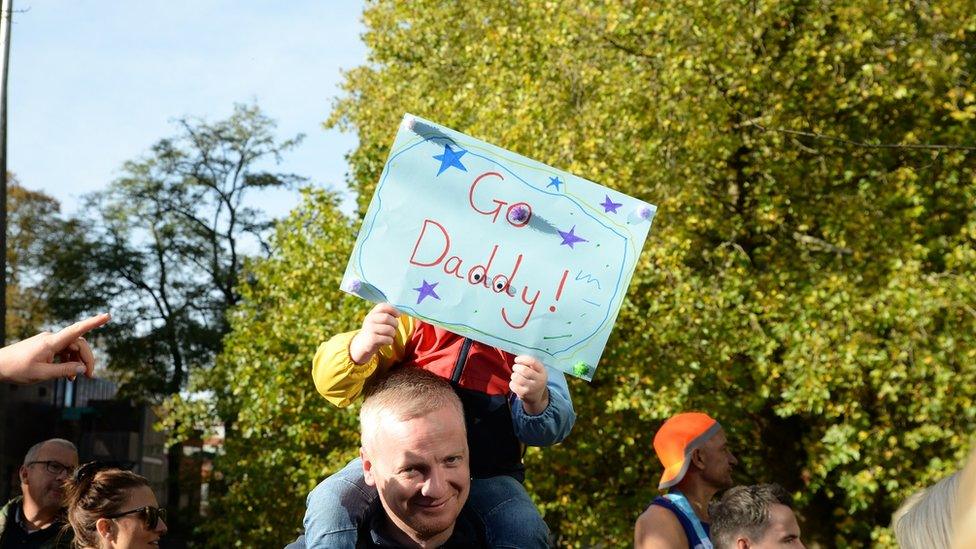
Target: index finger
{"points": [[67, 335]]}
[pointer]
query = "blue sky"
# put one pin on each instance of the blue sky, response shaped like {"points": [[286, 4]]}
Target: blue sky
{"points": [[95, 83]]}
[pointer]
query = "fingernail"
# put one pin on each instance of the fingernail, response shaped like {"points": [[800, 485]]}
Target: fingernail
{"points": [[80, 369]]}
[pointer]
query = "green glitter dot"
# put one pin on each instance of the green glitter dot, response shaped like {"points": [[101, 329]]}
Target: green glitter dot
{"points": [[581, 369]]}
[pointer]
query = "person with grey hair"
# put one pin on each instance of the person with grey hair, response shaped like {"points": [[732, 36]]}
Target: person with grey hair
{"points": [[755, 517], [36, 519], [924, 520]]}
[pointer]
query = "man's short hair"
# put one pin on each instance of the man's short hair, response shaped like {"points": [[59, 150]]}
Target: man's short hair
{"points": [[403, 394], [744, 510], [31, 454]]}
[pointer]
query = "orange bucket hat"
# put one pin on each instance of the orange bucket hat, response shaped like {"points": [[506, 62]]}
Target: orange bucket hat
{"points": [[676, 439]]}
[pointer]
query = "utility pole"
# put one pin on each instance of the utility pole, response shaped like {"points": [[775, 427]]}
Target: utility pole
{"points": [[5, 16]]}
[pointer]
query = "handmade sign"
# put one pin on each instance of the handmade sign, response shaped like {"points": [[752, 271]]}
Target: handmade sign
{"points": [[497, 247]]}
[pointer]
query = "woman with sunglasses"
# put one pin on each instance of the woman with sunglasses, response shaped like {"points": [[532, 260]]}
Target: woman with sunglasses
{"points": [[110, 508]]}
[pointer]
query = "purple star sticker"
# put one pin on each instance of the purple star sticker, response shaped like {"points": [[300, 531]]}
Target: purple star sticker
{"points": [[609, 206], [569, 238], [425, 290]]}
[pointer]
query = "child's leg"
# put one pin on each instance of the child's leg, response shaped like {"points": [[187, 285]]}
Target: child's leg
{"points": [[336, 507], [511, 519]]}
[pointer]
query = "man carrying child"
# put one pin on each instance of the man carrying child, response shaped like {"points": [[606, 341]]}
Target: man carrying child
{"points": [[508, 401]]}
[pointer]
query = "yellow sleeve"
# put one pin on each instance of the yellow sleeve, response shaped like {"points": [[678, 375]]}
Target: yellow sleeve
{"points": [[339, 379]]}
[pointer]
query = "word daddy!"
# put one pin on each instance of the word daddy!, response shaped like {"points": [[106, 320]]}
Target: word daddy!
{"points": [[434, 244]]}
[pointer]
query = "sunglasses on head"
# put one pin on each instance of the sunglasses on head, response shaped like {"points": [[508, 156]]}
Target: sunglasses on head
{"points": [[88, 470], [149, 515]]}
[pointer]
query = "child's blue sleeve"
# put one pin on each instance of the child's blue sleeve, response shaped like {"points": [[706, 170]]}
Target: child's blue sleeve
{"points": [[554, 423]]}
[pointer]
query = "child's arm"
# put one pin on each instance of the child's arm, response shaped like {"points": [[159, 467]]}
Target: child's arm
{"points": [[542, 413], [343, 364]]}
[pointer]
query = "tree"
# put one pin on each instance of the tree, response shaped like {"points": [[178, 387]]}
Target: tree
{"points": [[35, 227], [809, 279], [167, 248], [809, 276], [284, 438]]}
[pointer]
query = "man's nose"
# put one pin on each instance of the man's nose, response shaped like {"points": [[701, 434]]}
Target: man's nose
{"points": [[435, 485]]}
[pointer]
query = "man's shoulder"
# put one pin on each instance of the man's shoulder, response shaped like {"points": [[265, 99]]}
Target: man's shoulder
{"points": [[469, 530], [657, 513], [60, 535], [658, 527], [7, 511], [14, 501], [369, 534]]}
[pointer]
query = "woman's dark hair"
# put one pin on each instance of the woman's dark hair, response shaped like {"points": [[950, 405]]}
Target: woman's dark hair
{"points": [[94, 491]]}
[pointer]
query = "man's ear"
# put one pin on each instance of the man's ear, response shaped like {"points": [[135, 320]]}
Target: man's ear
{"points": [[367, 467], [105, 528], [741, 543], [23, 474], [696, 458]]}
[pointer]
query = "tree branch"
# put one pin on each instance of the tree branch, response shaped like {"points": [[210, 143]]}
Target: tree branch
{"points": [[825, 137]]}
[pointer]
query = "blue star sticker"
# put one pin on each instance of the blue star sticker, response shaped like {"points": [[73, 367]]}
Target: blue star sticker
{"points": [[554, 182], [425, 290], [569, 238], [610, 206], [450, 158]]}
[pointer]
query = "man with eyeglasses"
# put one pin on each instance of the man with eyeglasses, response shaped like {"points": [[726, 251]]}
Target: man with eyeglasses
{"points": [[35, 520]]}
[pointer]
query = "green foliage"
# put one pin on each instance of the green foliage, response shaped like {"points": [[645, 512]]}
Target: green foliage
{"points": [[34, 229], [281, 437], [809, 279], [165, 245]]}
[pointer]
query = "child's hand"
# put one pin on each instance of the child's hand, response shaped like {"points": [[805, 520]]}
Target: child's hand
{"points": [[529, 379], [379, 329]]}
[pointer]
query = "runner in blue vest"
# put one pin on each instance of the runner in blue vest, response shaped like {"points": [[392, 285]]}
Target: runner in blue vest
{"points": [[697, 464]]}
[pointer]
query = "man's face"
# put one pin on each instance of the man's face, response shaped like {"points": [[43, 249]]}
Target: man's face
{"points": [[420, 469], [42, 487], [783, 531], [718, 461]]}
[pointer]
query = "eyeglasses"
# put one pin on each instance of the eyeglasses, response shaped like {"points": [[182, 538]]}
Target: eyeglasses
{"points": [[53, 467], [150, 515]]}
